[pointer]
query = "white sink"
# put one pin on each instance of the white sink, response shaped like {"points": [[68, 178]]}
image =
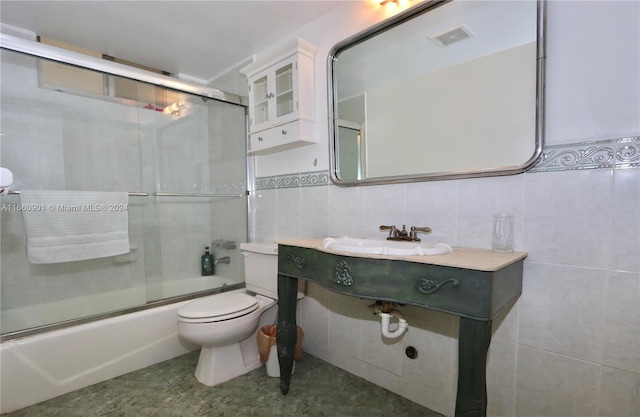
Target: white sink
{"points": [[385, 247]]}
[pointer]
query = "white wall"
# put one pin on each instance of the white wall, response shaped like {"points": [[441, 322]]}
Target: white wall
{"points": [[494, 120], [570, 346]]}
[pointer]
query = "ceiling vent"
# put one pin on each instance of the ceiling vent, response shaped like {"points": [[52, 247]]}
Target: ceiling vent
{"points": [[451, 35]]}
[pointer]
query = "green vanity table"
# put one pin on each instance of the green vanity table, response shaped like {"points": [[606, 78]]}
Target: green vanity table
{"points": [[474, 284]]}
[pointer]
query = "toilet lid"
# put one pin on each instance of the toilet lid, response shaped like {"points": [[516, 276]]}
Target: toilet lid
{"points": [[218, 307]]}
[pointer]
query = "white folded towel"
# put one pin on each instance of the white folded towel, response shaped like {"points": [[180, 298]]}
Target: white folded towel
{"points": [[64, 226]]}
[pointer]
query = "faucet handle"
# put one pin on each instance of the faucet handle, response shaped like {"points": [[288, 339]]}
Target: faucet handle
{"points": [[415, 230], [391, 229]]}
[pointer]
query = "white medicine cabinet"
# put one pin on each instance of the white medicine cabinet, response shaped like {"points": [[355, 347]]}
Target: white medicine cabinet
{"points": [[273, 95], [281, 99]]}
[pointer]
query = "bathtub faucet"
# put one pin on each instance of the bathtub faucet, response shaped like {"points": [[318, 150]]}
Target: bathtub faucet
{"points": [[223, 260]]}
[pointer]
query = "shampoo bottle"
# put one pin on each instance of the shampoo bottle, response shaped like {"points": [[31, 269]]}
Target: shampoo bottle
{"points": [[207, 262]]}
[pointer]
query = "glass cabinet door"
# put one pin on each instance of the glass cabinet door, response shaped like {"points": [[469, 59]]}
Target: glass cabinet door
{"points": [[260, 100], [274, 95], [284, 90]]}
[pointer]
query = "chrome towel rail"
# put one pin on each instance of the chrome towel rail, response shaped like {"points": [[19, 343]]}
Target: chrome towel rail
{"points": [[141, 194], [196, 195], [133, 194]]}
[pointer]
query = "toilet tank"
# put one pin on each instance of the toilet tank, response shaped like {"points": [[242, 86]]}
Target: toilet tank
{"points": [[261, 269]]}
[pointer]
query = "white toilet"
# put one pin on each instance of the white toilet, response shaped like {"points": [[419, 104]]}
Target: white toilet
{"points": [[226, 324]]}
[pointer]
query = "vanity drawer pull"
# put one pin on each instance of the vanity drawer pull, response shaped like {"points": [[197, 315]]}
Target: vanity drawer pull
{"points": [[429, 286], [297, 261]]}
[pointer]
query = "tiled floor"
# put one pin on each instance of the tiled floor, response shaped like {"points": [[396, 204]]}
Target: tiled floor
{"points": [[170, 389]]}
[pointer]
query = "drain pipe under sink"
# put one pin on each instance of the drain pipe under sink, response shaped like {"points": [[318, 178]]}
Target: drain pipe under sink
{"points": [[385, 320]]}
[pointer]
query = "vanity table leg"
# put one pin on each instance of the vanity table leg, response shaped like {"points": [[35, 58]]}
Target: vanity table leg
{"points": [[286, 333], [474, 340]]}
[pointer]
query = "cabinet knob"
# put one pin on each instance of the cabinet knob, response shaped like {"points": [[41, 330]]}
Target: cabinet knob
{"points": [[259, 138], [284, 132], [269, 95]]}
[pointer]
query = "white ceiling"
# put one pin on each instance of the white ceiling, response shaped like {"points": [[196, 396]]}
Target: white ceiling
{"points": [[199, 39]]}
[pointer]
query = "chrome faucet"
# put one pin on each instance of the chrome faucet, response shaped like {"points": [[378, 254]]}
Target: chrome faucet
{"points": [[223, 260], [394, 233], [412, 236]]}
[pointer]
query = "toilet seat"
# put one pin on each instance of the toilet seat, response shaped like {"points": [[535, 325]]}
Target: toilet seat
{"points": [[218, 307]]}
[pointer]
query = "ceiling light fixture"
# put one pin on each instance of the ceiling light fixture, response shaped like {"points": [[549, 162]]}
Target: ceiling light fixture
{"points": [[173, 109]]}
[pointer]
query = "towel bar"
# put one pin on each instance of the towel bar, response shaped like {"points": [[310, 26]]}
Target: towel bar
{"points": [[195, 195], [133, 194], [140, 194]]}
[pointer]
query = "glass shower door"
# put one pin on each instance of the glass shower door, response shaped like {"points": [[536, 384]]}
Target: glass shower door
{"points": [[181, 158], [201, 197]]}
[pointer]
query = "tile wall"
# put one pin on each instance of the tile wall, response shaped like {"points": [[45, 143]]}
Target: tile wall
{"points": [[570, 346]]}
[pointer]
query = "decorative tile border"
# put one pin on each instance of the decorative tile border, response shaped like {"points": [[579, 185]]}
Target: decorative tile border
{"points": [[305, 179], [611, 154]]}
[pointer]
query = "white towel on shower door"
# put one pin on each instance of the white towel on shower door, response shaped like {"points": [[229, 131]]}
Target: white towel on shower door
{"points": [[64, 226]]}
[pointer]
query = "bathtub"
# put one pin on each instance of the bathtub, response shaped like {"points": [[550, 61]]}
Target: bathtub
{"points": [[43, 366]]}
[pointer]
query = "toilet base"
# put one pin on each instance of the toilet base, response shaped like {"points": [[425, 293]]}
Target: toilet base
{"points": [[218, 364], [223, 363]]}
